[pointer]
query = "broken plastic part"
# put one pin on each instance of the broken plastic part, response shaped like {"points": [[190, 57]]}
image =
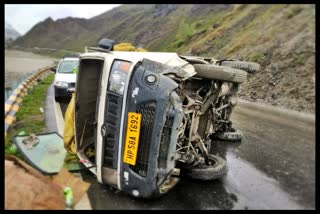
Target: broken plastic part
{"points": [[47, 156]]}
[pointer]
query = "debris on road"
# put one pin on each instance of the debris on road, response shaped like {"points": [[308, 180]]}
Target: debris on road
{"points": [[68, 197], [43, 151]]}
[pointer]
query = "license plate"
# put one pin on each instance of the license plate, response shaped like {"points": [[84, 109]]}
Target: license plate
{"points": [[132, 138]]}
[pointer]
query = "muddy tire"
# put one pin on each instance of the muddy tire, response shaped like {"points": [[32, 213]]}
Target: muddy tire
{"points": [[209, 172], [250, 67], [223, 73], [233, 135]]}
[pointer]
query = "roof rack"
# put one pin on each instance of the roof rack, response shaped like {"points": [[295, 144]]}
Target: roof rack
{"points": [[97, 49], [105, 45]]}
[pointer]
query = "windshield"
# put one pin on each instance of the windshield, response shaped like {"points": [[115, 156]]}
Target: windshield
{"points": [[68, 67]]}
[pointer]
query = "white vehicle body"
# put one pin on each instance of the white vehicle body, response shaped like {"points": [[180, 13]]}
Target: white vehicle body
{"points": [[146, 115], [65, 81], [171, 59], [69, 78]]}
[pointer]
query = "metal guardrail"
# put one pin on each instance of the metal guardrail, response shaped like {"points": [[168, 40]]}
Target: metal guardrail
{"points": [[12, 104], [10, 86]]}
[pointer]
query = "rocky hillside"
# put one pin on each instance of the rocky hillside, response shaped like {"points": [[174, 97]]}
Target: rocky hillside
{"points": [[279, 37]]}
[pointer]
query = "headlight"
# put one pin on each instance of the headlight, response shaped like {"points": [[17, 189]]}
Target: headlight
{"points": [[117, 81], [118, 76], [62, 84]]}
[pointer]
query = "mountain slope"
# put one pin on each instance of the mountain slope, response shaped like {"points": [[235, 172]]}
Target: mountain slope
{"points": [[53, 34], [279, 37], [10, 32]]}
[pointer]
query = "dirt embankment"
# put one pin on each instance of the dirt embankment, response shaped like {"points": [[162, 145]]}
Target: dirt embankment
{"points": [[279, 37], [282, 39], [287, 77]]}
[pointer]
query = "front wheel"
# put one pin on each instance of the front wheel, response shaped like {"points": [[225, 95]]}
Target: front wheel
{"points": [[214, 168]]}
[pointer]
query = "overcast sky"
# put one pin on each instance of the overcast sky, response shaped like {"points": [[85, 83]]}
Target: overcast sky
{"points": [[23, 17]]}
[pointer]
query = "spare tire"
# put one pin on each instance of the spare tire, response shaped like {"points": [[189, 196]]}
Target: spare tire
{"points": [[217, 72], [250, 67], [232, 135], [217, 169]]}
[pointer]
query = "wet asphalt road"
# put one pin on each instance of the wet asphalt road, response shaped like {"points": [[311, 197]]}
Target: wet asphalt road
{"points": [[272, 168], [283, 147]]}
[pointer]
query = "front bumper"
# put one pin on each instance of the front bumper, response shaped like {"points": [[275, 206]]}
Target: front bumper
{"points": [[62, 91], [161, 111]]}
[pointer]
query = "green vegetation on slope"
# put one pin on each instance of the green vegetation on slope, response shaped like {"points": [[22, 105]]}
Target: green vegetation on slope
{"points": [[279, 37]]}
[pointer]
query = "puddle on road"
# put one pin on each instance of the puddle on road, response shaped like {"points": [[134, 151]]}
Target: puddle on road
{"points": [[253, 188]]}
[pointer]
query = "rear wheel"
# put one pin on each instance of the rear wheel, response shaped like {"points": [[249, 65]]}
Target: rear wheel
{"points": [[223, 73], [232, 135], [214, 168], [250, 67]]}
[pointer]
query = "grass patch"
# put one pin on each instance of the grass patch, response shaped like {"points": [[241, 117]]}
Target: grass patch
{"points": [[300, 59], [257, 57], [197, 24], [215, 34], [176, 39], [185, 31], [293, 11], [240, 43], [29, 118], [179, 44]]}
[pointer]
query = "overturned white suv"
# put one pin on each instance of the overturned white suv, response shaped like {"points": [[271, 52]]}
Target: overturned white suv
{"points": [[151, 117]]}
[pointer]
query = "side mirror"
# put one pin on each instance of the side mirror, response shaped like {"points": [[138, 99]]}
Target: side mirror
{"points": [[53, 69]]}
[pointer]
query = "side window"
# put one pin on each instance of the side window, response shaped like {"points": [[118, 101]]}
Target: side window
{"points": [[68, 66]]}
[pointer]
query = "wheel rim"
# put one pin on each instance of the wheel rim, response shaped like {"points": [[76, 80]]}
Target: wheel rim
{"points": [[210, 162]]}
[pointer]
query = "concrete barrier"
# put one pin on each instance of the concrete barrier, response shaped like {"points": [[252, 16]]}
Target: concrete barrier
{"points": [[13, 103]]}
